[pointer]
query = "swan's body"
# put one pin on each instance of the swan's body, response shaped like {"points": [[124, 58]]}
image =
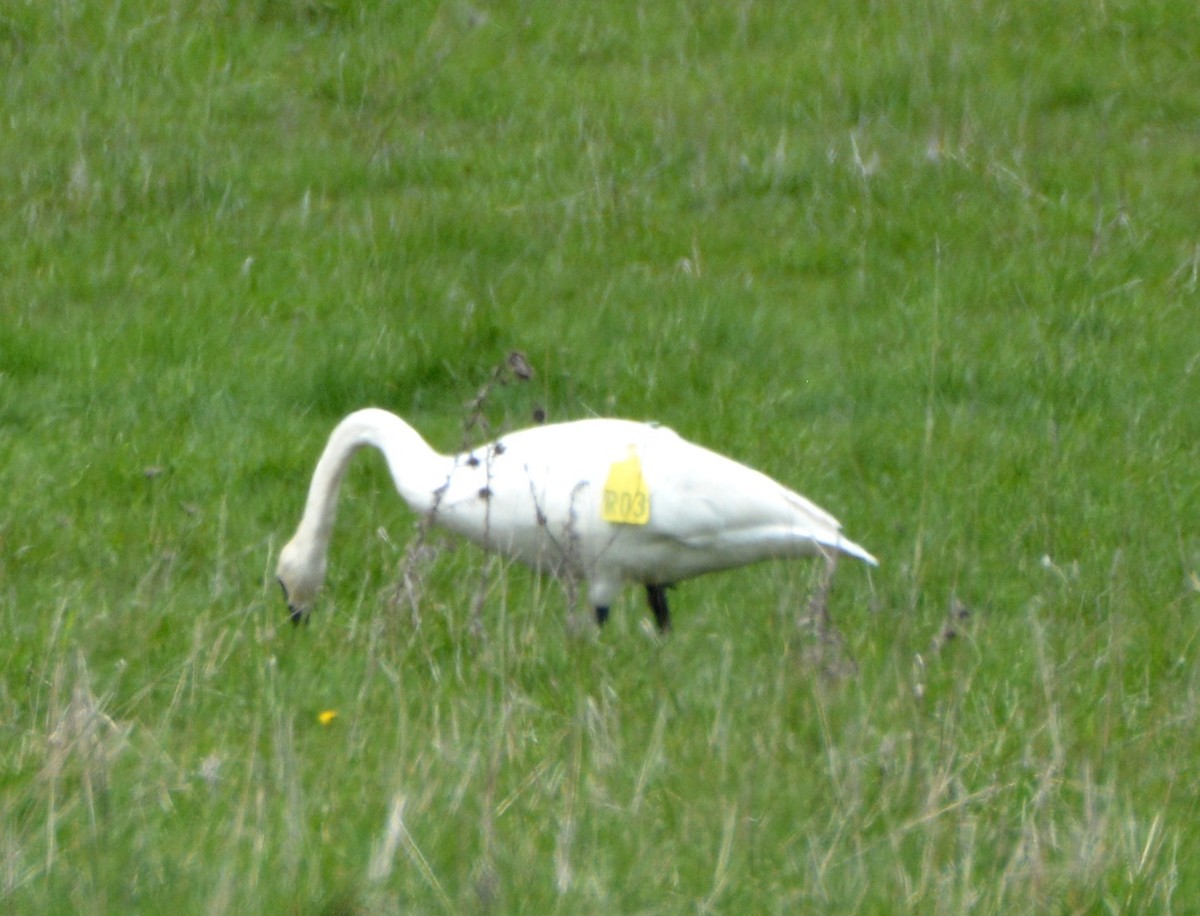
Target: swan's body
{"points": [[674, 509]]}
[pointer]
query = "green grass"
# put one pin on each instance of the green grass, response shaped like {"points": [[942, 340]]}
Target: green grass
{"points": [[933, 264]]}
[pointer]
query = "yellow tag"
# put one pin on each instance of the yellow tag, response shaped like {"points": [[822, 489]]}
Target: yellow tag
{"points": [[626, 496]]}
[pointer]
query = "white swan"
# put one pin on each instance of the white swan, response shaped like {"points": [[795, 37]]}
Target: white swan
{"points": [[608, 501]]}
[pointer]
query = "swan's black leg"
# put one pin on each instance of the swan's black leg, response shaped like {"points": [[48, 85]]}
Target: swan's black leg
{"points": [[601, 615], [657, 594]]}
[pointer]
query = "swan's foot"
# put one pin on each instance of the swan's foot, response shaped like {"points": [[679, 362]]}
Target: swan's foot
{"points": [[657, 595]]}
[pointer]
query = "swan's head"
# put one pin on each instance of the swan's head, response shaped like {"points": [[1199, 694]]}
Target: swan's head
{"points": [[300, 572]]}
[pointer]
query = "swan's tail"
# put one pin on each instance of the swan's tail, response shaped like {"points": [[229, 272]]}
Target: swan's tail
{"points": [[826, 530], [848, 547]]}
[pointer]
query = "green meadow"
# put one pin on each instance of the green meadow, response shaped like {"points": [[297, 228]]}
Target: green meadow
{"points": [[932, 264]]}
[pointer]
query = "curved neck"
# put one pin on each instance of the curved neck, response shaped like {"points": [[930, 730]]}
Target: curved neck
{"points": [[416, 469]]}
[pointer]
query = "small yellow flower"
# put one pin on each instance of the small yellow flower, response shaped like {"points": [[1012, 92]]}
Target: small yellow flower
{"points": [[327, 716]]}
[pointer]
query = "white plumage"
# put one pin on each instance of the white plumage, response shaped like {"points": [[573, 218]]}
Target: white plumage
{"points": [[608, 501]]}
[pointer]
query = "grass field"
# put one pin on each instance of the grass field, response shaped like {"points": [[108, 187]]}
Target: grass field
{"points": [[933, 264]]}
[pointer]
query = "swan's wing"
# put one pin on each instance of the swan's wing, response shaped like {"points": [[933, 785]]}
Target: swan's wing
{"points": [[713, 503], [538, 495]]}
